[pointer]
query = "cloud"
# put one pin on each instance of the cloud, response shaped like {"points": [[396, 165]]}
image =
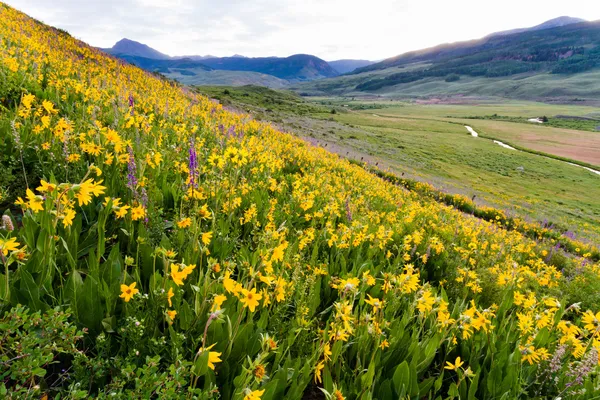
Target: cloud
{"points": [[330, 29]]}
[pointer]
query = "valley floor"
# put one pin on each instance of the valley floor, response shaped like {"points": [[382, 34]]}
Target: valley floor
{"points": [[430, 142]]}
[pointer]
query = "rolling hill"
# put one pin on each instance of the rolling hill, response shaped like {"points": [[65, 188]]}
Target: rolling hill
{"points": [[507, 60]]}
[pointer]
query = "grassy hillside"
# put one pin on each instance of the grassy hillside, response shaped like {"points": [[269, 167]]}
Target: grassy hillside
{"points": [[161, 247], [560, 63], [570, 48]]}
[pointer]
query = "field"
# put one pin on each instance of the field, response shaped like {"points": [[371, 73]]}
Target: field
{"points": [[422, 141], [157, 244]]}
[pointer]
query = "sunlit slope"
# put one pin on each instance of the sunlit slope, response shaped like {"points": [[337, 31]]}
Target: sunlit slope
{"points": [[256, 265]]}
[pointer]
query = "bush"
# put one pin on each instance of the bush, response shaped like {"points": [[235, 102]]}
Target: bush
{"points": [[452, 78], [36, 351]]}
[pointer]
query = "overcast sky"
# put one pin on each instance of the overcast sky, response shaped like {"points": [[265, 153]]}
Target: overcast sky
{"points": [[330, 29]]}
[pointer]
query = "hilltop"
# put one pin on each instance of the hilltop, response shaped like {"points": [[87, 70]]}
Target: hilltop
{"points": [[136, 49], [552, 23]]}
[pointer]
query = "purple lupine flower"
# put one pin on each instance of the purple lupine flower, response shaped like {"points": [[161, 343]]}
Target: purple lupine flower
{"points": [[193, 164], [348, 211], [131, 171], [131, 103], [144, 201], [231, 132]]}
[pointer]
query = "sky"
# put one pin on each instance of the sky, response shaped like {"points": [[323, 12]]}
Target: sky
{"points": [[329, 29]]}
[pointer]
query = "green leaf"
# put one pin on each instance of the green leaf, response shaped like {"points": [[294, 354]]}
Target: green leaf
{"points": [[30, 291], [73, 289], [367, 379], [385, 390], [89, 305], [426, 385], [453, 391], [111, 269], [270, 390], [109, 324], [401, 379], [473, 388], [200, 367], [185, 315], [336, 351], [70, 259]]}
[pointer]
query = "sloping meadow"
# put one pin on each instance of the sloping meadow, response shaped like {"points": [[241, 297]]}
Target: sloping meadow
{"points": [[192, 252]]}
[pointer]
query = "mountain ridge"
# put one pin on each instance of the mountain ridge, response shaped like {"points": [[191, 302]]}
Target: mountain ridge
{"points": [[551, 23], [295, 68], [441, 49]]}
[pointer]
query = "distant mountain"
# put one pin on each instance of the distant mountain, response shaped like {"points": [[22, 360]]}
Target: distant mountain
{"points": [[133, 48], [299, 67], [553, 23], [296, 68], [345, 66]]}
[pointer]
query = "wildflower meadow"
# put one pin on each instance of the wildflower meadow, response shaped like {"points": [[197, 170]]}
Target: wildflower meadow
{"points": [[154, 245]]}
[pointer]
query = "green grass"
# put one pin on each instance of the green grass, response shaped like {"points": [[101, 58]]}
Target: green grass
{"points": [[443, 153], [566, 122]]}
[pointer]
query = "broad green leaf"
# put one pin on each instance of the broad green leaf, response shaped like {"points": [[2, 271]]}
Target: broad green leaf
{"points": [[401, 379]]}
